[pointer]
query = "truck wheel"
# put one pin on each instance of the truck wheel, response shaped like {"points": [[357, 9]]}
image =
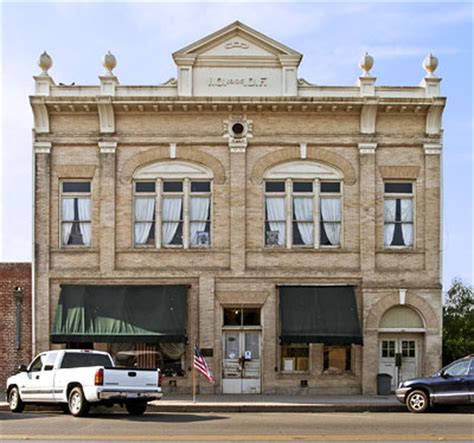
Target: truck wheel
{"points": [[136, 408], [14, 401], [78, 405], [418, 401]]}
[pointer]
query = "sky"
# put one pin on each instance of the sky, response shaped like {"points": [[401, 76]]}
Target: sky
{"points": [[332, 36]]}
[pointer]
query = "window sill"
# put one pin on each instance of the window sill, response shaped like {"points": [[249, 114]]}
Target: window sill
{"points": [[294, 373], [399, 249], [75, 249], [301, 249], [338, 374], [153, 249]]}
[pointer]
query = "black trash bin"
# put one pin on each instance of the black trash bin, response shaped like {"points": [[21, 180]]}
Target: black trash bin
{"points": [[384, 384]]}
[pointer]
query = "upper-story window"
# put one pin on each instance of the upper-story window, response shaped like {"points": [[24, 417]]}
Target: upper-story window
{"points": [[172, 205], [398, 214], [303, 206], [76, 213]]}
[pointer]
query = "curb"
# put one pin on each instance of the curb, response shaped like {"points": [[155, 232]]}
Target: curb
{"points": [[246, 408], [277, 408]]}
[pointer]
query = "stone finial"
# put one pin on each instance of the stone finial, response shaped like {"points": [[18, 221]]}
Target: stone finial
{"points": [[45, 62], [366, 63], [430, 63], [109, 63]]}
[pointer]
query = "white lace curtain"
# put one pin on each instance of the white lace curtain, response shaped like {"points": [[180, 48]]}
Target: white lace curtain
{"points": [[304, 213], [406, 206], [199, 216], [68, 217], [406, 219], [276, 216], [390, 218], [144, 210], [171, 216], [331, 218], [84, 212]]}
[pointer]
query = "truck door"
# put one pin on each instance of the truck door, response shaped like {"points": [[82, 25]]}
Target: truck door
{"points": [[47, 382], [30, 387]]}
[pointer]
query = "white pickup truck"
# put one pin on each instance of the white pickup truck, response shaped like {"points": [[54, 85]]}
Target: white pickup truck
{"points": [[76, 379]]}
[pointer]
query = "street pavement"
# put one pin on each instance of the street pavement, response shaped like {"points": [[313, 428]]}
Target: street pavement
{"points": [[118, 426]]}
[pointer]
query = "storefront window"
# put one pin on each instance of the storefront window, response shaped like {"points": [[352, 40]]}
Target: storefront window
{"points": [[337, 359], [169, 357], [295, 357]]}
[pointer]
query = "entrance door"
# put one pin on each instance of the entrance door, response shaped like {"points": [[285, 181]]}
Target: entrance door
{"points": [[399, 357], [242, 362]]}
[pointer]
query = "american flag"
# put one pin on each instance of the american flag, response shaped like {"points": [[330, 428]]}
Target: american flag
{"points": [[200, 364]]}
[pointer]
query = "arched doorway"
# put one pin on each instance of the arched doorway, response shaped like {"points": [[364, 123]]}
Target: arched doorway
{"points": [[401, 332]]}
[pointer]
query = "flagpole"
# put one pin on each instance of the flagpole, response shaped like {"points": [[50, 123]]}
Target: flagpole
{"points": [[194, 377]]}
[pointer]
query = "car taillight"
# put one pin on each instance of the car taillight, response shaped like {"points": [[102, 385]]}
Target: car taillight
{"points": [[99, 377], [160, 378]]}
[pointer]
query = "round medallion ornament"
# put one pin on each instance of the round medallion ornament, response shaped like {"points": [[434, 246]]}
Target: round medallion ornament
{"points": [[110, 62], [45, 62], [238, 129]]}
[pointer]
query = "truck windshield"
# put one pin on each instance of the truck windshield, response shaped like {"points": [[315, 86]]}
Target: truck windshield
{"points": [[79, 359]]}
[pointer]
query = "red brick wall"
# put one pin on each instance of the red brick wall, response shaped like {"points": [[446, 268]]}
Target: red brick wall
{"points": [[14, 275]]}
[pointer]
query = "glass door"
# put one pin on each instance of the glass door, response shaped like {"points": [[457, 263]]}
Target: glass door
{"points": [[241, 366]]}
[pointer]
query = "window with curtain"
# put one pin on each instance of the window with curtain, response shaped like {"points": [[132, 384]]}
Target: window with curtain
{"points": [[75, 213], [172, 213], [398, 215], [302, 213]]}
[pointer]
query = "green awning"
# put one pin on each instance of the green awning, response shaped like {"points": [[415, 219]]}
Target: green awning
{"points": [[120, 313], [319, 314]]}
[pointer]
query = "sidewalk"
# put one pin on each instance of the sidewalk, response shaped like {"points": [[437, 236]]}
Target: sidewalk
{"points": [[272, 403]]}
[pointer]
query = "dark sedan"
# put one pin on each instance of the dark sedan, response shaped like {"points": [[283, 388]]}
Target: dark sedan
{"points": [[452, 385]]}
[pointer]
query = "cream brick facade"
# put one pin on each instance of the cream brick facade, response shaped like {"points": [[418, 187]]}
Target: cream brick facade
{"points": [[370, 134]]}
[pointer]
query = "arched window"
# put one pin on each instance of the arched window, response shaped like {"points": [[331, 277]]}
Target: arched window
{"points": [[172, 205], [303, 205], [401, 317]]}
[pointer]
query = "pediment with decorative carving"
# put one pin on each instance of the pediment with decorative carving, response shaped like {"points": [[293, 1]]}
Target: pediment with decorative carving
{"points": [[237, 61]]}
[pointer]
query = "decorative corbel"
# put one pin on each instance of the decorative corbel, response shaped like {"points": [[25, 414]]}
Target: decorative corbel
{"points": [[106, 115], [41, 115], [368, 116], [434, 117]]}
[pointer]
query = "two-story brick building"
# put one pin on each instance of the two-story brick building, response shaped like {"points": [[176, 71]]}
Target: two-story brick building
{"points": [[291, 230], [15, 312]]}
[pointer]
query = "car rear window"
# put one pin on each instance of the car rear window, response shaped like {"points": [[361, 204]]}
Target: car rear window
{"points": [[79, 359]]}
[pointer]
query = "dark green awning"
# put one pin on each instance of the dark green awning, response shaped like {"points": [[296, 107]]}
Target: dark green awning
{"points": [[118, 313], [319, 314]]}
